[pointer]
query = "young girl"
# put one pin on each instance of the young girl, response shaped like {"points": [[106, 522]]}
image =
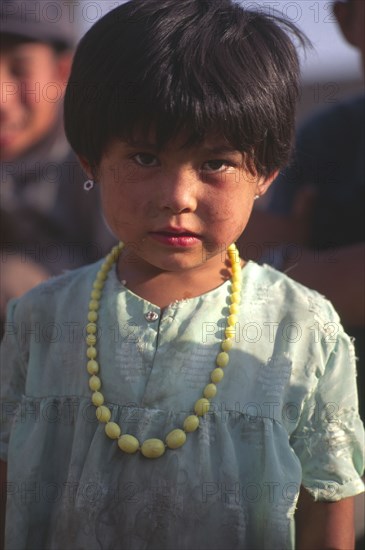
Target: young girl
{"points": [[175, 397]]}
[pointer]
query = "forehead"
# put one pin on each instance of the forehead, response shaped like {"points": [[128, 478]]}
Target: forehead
{"points": [[21, 46]]}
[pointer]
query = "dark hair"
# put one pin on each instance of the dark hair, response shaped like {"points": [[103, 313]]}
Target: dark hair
{"points": [[201, 66]]}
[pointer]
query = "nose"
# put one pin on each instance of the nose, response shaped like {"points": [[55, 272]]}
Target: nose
{"points": [[179, 191]]}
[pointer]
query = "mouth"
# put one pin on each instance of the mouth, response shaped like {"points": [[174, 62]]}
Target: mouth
{"points": [[7, 135], [177, 237]]}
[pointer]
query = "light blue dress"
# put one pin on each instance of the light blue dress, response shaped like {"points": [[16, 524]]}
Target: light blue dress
{"points": [[285, 414]]}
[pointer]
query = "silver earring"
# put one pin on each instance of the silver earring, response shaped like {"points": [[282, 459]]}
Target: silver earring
{"points": [[88, 185], [256, 197]]}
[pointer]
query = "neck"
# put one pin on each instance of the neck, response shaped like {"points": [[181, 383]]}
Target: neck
{"points": [[164, 287]]}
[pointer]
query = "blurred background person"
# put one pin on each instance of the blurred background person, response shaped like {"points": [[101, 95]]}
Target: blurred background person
{"points": [[43, 201], [315, 213]]}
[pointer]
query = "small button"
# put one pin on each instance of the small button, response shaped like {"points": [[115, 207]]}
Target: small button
{"points": [[151, 316]]}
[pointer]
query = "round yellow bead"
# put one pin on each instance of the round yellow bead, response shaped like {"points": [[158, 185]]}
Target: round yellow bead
{"points": [[217, 375], [112, 430], [234, 265], [103, 414], [94, 383], [191, 423], [101, 276], [236, 286], [201, 406], [234, 309], [128, 444], [210, 390], [91, 339], [227, 345], [97, 399], [110, 259], [91, 328], [230, 332], [222, 359], [94, 305], [98, 285], [153, 448], [235, 297], [92, 366], [92, 316], [232, 320], [175, 439], [91, 352], [95, 294], [237, 279], [232, 247]]}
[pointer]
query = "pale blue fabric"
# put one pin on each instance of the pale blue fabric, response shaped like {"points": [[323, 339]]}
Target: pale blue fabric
{"points": [[285, 414]]}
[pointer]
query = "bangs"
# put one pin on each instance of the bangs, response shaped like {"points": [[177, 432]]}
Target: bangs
{"points": [[198, 68], [179, 108]]}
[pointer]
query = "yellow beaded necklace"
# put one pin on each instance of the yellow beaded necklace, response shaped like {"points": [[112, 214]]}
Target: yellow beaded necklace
{"points": [[154, 448]]}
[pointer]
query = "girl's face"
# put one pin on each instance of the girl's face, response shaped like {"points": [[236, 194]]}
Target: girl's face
{"points": [[177, 208]]}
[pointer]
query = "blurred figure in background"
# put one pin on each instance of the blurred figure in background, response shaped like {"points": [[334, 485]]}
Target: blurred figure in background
{"points": [[315, 215], [43, 202]]}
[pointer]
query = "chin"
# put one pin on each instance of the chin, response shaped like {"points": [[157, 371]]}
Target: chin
{"points": [[176, 262]]}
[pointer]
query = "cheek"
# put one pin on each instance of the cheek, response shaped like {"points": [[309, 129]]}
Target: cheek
{"points": [[121, 202], [42, 91], [41, 105], [231, 208], [234, 196]]}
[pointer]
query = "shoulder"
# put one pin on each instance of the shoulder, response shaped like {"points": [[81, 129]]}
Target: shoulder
{"points": [[297, 322], [285, 298], [68, 291]]}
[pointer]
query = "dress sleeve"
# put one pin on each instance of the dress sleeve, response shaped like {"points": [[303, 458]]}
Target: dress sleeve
{"points": [[329, 439], [12, 376]]}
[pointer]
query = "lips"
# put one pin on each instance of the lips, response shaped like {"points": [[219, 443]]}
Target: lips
{"points": [[176, 237], [175, 232], [7, 135], [172, 234]]}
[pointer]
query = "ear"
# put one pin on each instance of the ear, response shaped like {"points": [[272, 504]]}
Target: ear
{"points": [[86, 167], [63, 68], [264, 183]]}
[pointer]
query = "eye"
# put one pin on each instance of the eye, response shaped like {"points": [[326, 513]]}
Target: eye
{"points": [[218, 165], [20, 69], [147, 160]]}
